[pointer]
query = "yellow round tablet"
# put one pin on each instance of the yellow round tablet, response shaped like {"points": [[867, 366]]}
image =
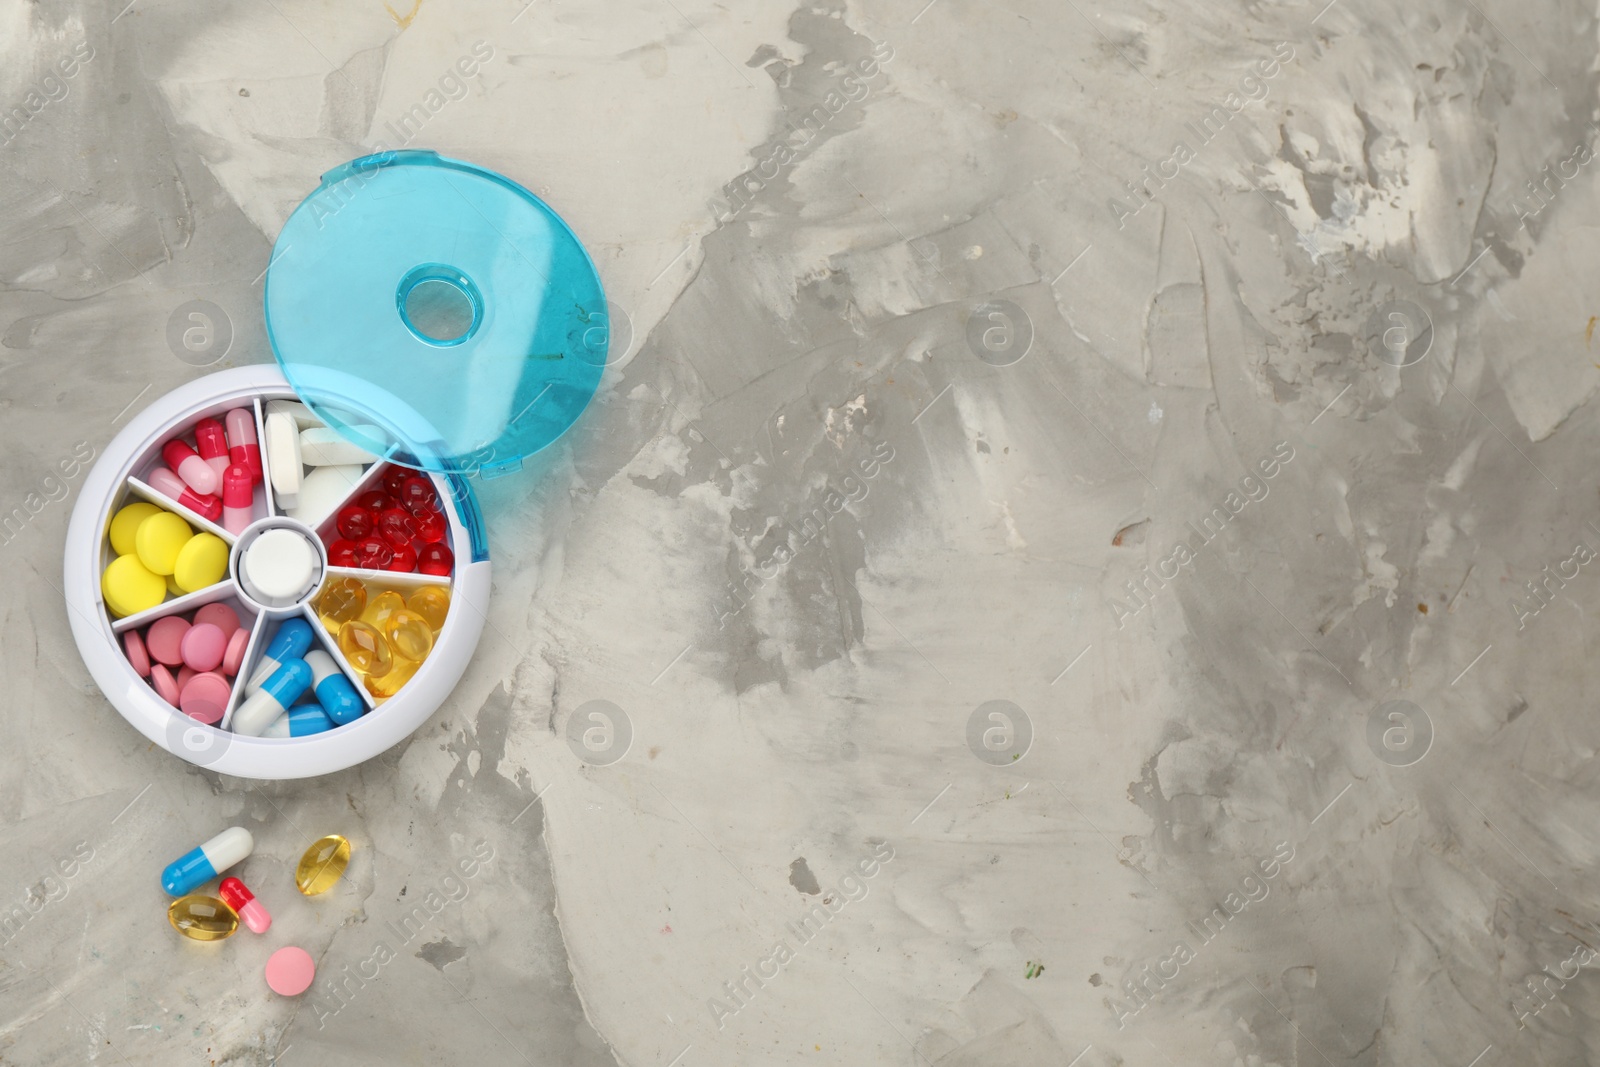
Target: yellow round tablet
{"points": [[159, 539], [129, 587], [202, 561], [172, 586], [125, 522]]}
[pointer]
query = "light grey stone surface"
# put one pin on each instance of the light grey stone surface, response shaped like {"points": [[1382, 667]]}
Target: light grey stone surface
{"points": [[835, 500]]}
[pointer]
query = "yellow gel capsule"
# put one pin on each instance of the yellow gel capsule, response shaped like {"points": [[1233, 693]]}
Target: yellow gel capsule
{"points": [[409, 634], [159, 539], [125, 523], [365, 648], [380, 608], [322, 865], [342, 599], [201, 562], [432, 602], [129, 587], [387, 685], [202, 918]]}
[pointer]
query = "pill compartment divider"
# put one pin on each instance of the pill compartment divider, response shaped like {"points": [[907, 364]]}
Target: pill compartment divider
{"points": [[265, 487], [142, 489], [331, 646]]}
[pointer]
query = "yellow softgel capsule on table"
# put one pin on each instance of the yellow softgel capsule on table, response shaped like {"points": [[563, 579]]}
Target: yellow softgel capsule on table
{"points": [[202, 561], [341, 600], [388, 684], [125, 523], [202, 918], [380, 607], [322, 865], [129, 587], [409, 634], [366, 649], [159, 539], [432, 602]]}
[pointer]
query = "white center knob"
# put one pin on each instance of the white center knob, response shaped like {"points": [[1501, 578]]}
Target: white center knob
{"points": [[280, 564]]}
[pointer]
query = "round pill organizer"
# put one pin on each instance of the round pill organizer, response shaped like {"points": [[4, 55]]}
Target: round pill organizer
{"points": [[432, 315]]}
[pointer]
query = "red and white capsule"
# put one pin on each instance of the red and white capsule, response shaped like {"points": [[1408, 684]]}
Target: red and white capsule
{"points": [[212, 444], [243, 446], [195, 472], [236, 895], [171, 486], [238, 496]]}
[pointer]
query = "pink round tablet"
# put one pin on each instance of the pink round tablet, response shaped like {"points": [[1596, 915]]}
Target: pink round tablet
{"points": [[164, 639], [165, 687], [133, 644], [290, 970], [203, 646], [185, 672], [205, 698], [221, 616], [233, 658]]}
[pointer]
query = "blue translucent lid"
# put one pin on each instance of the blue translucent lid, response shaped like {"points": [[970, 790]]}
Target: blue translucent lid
{"points": [[435, 312]]}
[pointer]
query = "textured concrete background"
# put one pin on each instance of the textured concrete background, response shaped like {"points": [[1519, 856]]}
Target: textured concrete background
{"points": [[1195, 379]]}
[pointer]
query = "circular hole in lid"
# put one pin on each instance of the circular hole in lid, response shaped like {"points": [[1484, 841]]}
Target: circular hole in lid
{"points": [[439, 304]]}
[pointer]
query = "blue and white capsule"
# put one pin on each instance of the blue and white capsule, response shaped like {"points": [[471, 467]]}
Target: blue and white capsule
{"points": [[334, 691], [206, 862], [263, 707], [289, 643], [301, 721]]}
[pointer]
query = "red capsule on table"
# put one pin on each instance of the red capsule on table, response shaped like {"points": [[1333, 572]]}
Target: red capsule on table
{"points": [[405, 559], [374, 500], [354, 522], [236, 895], [436, 559], [342, 553], [373, 553], [417, 495]]}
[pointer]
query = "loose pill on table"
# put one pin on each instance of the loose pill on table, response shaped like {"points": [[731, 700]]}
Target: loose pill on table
{"points": [[200, 865], [432, 602], [201, 562], [129, 587], [195, 472], [365, 648], [321, 491], [300, 721], [138, 655], [238, 498], [322, 865], [233, 656], [204, 697], [219, 615], [290, 642], [280, 564], [202, 647], [409, 634], [164, 684], [290, 971], [158, 541], [202, 918], [322, 447], [164, 639], [386, 685], [211, 441], [236, 895], [125, 522], [169, 485], [261, 708], [242, 444], [333, 690], [283, 458]]}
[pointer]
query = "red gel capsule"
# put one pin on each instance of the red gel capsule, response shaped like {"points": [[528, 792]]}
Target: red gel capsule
{"points": [[396, 527], [430, 527], [373, 553], [436, 559], [405, 559], [354, 522], [373, 500], [236, 895], [342, 553], [394, 478], [418, 496]]}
